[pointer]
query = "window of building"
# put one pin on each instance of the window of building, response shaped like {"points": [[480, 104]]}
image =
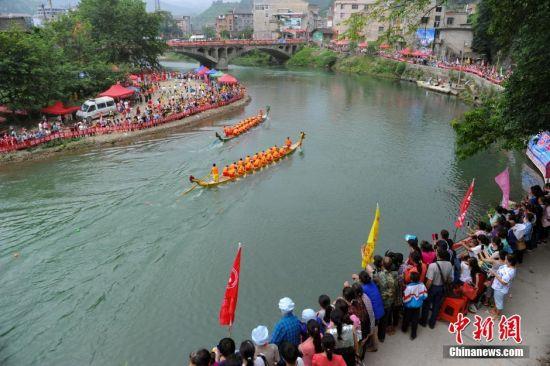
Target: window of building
{"points": [[424, 20], [450, 21], [437, 18], [342, 6], [380, 28], [438, 9], [342, 15], [354, 6], [436, 24]]}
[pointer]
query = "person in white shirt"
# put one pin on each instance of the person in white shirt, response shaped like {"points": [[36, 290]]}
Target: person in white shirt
{"points": [[501, 284]]}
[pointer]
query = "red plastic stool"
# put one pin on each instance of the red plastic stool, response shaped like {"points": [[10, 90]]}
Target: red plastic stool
{"points": [[451, 307]]}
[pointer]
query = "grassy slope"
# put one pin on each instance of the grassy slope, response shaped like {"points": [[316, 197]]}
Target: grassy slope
{"points": [[313, 57]]}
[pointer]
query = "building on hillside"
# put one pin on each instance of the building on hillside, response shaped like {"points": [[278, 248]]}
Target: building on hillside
{"points": [[46, 14], [22, 21], [275, 19], [342, 10], [454, 36], [184, 24], [321, 36], [233, 24]]}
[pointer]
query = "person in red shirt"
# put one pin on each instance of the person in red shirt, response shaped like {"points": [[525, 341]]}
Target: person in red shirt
{"points": [[328, 358]]}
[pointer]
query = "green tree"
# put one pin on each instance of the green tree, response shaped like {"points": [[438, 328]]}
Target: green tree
{"points": [[225, 34], [31, 70], [125, 32], [209, 31], [355, 25], [168, 26], [246, 33], [483, 43]]}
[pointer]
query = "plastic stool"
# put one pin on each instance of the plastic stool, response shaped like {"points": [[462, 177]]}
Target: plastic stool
{"points": [[451, 307]]}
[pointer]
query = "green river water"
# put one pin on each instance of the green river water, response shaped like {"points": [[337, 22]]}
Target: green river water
{"points": [[113, 270]]}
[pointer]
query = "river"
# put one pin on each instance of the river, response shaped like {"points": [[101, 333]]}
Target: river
{"points": [[116, 269]]}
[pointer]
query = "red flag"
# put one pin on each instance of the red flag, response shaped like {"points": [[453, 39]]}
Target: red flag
{"points": [[229, 303], [464, 205]]}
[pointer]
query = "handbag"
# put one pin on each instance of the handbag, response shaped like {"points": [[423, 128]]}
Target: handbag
{"points": [[469, 291]]}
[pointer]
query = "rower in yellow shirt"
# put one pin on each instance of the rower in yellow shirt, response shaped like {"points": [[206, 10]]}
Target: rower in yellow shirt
{"points": [[215, 173]]}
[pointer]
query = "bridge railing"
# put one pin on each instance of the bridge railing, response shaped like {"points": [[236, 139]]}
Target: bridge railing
{"points": [[234, 42]]}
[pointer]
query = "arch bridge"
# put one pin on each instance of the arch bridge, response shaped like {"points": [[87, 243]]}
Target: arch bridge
{"points": [[218, 54]]}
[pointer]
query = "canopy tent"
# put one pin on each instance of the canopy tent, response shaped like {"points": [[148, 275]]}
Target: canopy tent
{"points": [[199, 68], [117, 91], [211, 72], [227, 79], [58, 109], [363, 45], [134, 77], [419, 53], [384, 46], [217, 74], [203, 71], [405, 52], [343, 42]]}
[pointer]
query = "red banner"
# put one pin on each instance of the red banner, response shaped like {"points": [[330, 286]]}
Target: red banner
{"points": [[464, 205], [229, 303]]}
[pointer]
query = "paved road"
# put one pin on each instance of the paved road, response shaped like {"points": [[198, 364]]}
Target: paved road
{"points": [[530, 298]]}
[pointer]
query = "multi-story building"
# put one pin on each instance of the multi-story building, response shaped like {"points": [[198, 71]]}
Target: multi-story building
{"points": [[233, 24], [8, 20], [454, 35], [184, 24], [45, 14], [342, 10], [274, 19]]}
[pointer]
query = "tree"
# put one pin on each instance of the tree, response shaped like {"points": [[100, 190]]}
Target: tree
{"points": [[246, 33], [209, 31], [483, 43], [355, 25], [168, 25], [225, 34], [31, 70], [126, 33]]}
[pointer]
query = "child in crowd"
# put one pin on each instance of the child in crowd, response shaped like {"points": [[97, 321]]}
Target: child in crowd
{"points": [[413, 297]]}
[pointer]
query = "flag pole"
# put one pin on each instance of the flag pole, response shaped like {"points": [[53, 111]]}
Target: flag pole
{"points": [[229, 330]]}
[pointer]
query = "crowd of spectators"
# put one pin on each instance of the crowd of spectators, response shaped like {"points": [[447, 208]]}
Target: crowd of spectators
{"points": [[397, 290]]}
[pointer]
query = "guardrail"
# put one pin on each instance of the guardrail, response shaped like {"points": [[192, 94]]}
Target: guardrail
{"points": [[7, 147], [234, 42]]}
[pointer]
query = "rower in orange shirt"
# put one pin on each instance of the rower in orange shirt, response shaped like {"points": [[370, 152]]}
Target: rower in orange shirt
{"points": [[268, 156], [257, 163], [282, 152], [247, 159], [240, 170], [232, 170], [288, 143], [225, 171], [275, 154], [215, 173], [248, 166]]}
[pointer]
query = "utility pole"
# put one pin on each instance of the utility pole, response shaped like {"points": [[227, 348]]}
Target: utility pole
{"points": [[157, 5]]}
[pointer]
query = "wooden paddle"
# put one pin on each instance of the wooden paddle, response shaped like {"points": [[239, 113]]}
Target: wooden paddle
{"points": [[194, 186]]}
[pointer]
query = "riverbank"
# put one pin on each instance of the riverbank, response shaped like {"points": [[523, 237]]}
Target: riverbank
{"points": [[475, 87], [46, 151]]}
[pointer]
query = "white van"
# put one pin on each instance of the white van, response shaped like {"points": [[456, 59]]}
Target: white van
{"points": [[197, 37], [92, 108]]}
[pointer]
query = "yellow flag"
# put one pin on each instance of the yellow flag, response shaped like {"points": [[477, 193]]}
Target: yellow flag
{"points": [[370, 245]]}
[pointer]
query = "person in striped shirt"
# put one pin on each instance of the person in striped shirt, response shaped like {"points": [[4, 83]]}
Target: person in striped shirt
{"points": [[413, 297]]}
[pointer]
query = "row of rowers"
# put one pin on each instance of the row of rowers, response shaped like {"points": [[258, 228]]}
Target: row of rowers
{"points": [[255, 162], [244, 125]]}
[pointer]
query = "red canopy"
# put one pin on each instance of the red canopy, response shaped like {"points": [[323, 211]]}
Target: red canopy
{"points": [[384, 46], [405, 52], [227, 79], [133, 77], [59, 109], [117, 91], [363, 45]]}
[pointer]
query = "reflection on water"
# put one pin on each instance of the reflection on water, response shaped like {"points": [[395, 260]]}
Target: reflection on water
{"points": [[116, 268]]}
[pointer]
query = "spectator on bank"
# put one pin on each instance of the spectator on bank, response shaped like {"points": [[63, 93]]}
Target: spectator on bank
{"points": [[326, 309], [387, 283], [260, 337], [290, 355], [247, 351], [312, 344], [307, 315], [414, 295], [373, 293], [428, 252], [439, 273], [288, 327], [502, 282], [201, 357], [328, 356], [344, 334], [223, 350]]}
